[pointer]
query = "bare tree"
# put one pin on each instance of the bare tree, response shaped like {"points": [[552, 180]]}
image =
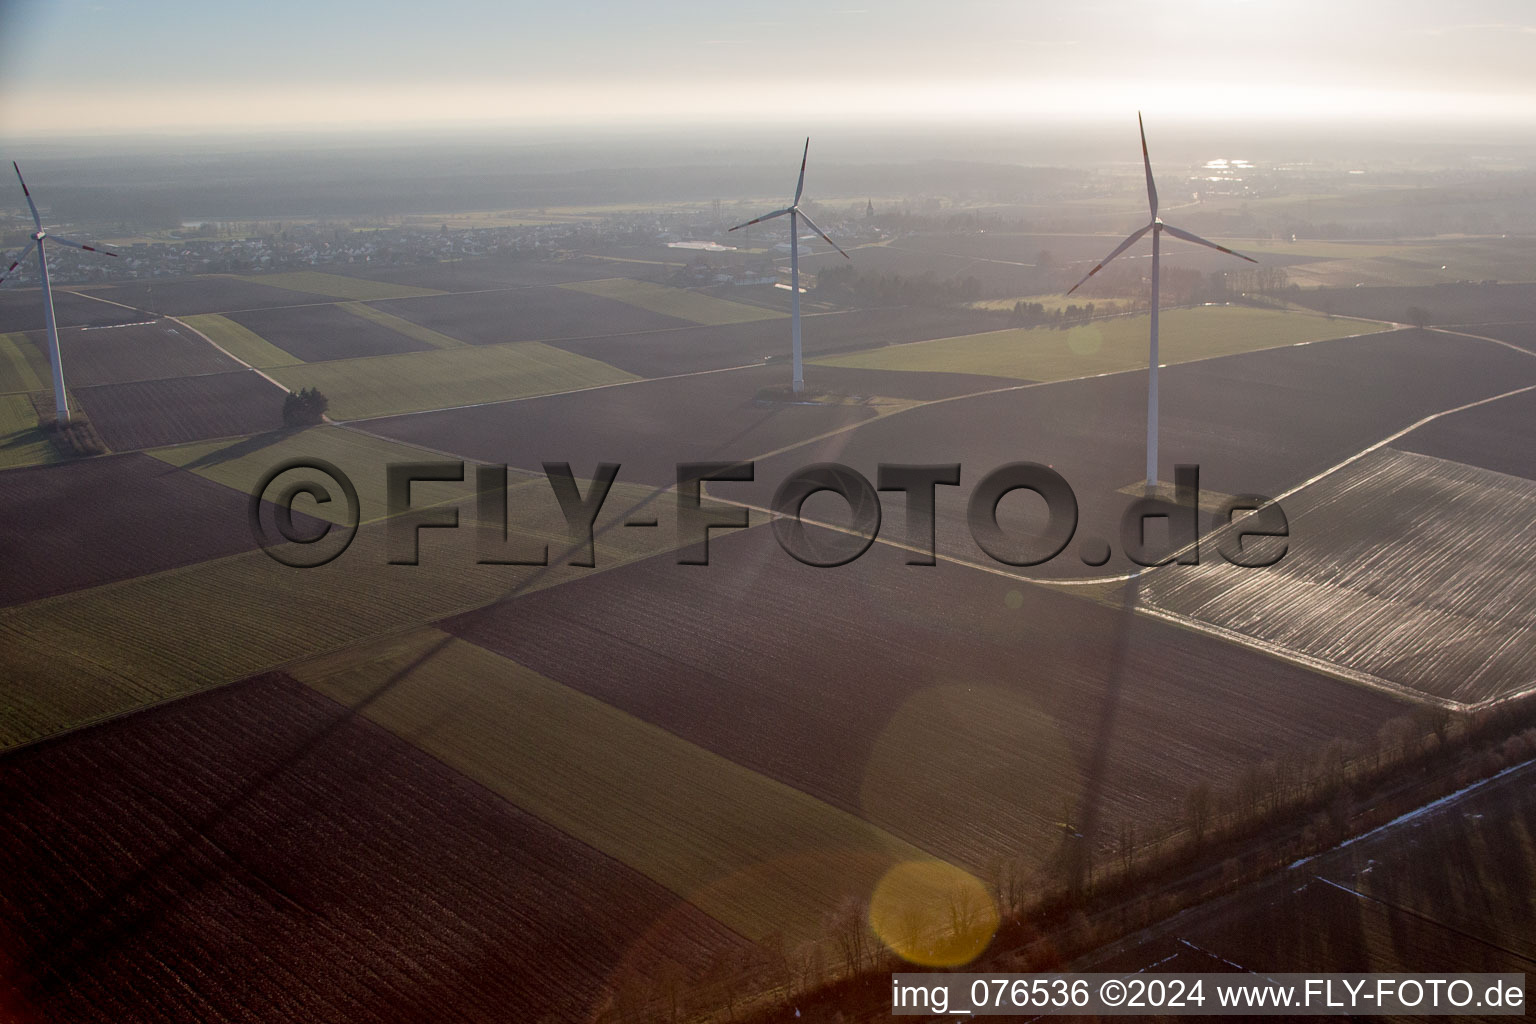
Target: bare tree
{"points": [[1197, 810], [1125, 846], [850, 933], [1007, 885]]}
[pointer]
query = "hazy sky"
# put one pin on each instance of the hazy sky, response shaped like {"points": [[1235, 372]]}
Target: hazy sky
{"points": [[93, 66]]}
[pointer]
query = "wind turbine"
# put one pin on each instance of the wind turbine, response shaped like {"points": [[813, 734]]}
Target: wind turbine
{"points": [[794, 211], [61, 401], [1157, 227]]}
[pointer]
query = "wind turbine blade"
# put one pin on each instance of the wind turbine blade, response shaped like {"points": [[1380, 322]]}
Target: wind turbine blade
{"points": [[759, 220], [24, 191], [78, 245], [823, 234], [1147, 163], [1176, 233], [27, 252], [800, 185], [1105, 261]]}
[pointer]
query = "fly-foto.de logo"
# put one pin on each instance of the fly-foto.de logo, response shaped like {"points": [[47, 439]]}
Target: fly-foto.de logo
{"points": [[1251, 530]]}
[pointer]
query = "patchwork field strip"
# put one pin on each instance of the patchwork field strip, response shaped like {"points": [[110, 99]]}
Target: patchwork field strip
{"points": [[446, 378], [90, 654], [259, 853], [755, 854], [679, 302], [970, 749], [527, 314], [336, 286], [1105, 346], [240, 341], [324, 332], [400, 325], [648, 427], [208, 293], [686, 349]]}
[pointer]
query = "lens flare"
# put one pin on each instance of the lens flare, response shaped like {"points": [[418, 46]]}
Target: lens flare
{"points": [[932, 914]]}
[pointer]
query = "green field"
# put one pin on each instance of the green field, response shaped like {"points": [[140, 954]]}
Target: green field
{"points": [[21, 440], [93, 653], [444, 378], [400, 325], [1105, 346], [678, 302], [755, 854], [239, 341], [337, 286], [23, 366]]}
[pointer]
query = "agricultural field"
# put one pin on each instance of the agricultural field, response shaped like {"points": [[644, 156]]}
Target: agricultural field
{"points": [[1105, 346], [381, 791], [22, 442], [1440, 890], [1499, 436], [527, 314], [135, 352], [970, 751], [445, 378], [108, 354], [1521, 334], [1011, 274], [21, 309], [1439, 606], [312, 334], [260, 853], [1439, 262], [1466, 305], [98, 652], [1260, 422], [896, 384], [1023, 249], [1005, 263], [336, 286], [152, 413], [23, 365], [1486, 833], [240, 463], [760, 857], [648, 426], [686, 350], [682, 303], [91, 522], [489, 273], [401, 326], [238, 341], [206, 293]]}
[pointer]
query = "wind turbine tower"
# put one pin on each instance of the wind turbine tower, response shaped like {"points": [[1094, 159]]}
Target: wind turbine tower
{"points": [[795, 214], [1157, 227], [61, 400]]}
